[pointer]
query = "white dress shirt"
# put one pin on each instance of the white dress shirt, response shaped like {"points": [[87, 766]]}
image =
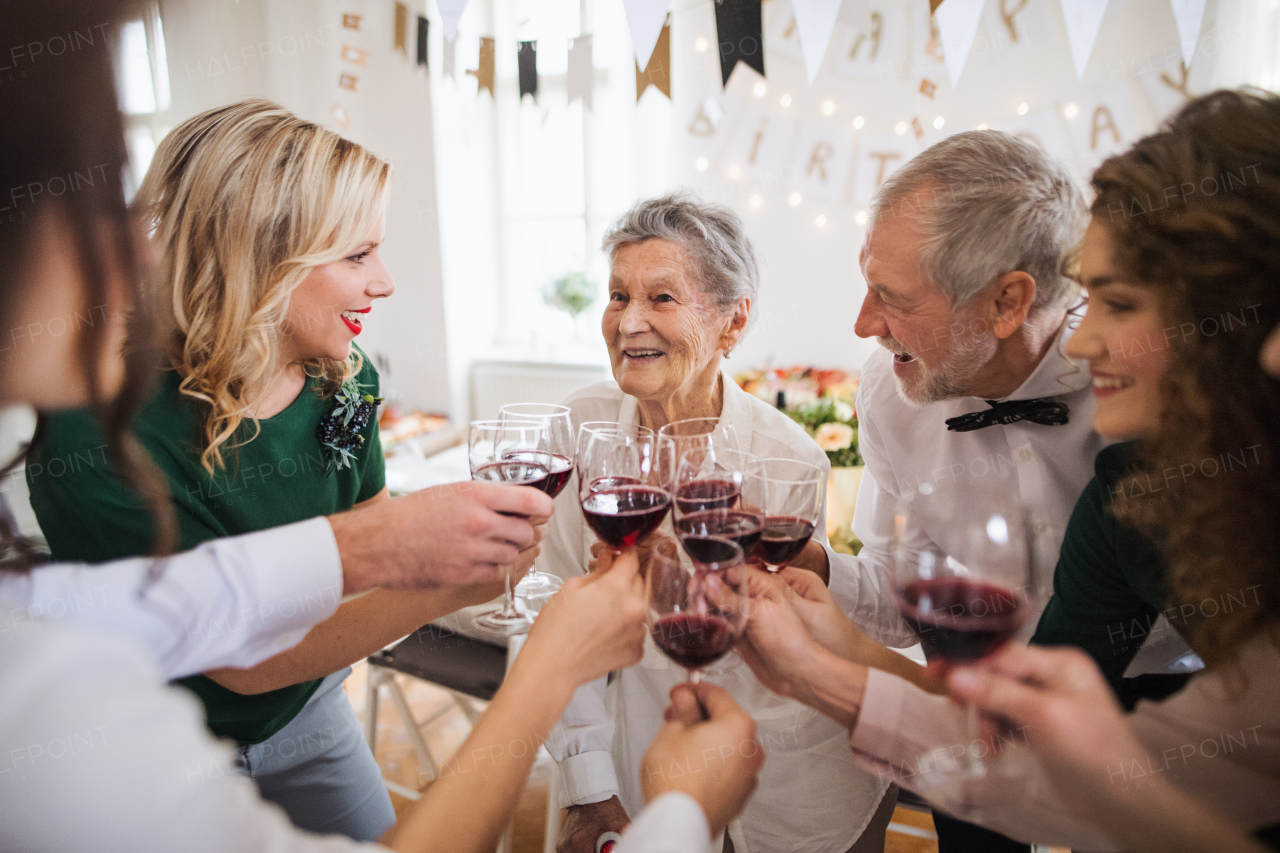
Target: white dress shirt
{"points": [[229, 602], [1045, 468], [811, 793]]}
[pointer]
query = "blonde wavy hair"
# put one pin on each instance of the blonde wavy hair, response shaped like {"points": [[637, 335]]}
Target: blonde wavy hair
{"points": [[244, 201]]}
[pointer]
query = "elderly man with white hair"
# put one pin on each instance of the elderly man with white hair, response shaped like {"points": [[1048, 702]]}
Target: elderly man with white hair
{"points": [[966, 262]]}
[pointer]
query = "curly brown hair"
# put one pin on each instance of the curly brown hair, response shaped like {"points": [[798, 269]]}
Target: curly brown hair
{"points": [[1194, 211]]}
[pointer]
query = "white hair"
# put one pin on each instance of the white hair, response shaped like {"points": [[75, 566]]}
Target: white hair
{"points": [[989, 204], [711, 235]]}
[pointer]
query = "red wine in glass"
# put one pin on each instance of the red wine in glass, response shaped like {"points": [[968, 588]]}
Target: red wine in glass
{"points": [[514, 472], [622, 515], [737, 525], [693, 640], [958, 619], [700, 495], [782, 539], [560, 468]]}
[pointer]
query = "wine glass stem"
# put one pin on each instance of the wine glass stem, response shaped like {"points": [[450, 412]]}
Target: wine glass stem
{"points": [[972, 758], [695, 677], [509, 601]]}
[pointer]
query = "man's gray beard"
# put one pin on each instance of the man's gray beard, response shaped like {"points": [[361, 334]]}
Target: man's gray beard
{"points": [[950, 379]]}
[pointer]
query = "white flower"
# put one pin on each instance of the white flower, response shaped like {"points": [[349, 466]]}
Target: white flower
{"points": [[832, 436], [843, 410]]}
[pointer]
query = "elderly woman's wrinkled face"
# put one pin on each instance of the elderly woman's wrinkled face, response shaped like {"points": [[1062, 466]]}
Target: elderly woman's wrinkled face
{"points": [[662, 329]]}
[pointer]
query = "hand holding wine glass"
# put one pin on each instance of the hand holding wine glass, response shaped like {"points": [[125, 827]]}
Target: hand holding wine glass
{"points": [[795, 500], [557, 452]]}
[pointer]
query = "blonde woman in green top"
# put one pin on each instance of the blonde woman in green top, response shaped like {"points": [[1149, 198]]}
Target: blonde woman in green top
{"points": [[268, 231]]}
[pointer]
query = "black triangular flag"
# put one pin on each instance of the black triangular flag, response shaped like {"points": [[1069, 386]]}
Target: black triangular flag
{"points": [[529, 69], [741, 34], [423, 23]]}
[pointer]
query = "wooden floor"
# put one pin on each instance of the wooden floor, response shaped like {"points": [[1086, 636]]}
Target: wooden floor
{"points": [[399, 764]]}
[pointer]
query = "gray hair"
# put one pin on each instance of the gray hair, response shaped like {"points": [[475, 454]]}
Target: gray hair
{"points": [[711, 235], [999, 204]]}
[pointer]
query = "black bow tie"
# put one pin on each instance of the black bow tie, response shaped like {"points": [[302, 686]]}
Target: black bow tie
{"points": [[1044, 411]]}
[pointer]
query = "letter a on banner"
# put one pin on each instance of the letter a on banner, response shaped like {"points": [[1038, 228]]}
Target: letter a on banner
{"points": [[645, 19], [739, 26], [957, 25], [816, 20], [1083, 19]]}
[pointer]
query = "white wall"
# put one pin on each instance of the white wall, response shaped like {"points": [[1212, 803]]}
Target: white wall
{"points": [[289, 52]]}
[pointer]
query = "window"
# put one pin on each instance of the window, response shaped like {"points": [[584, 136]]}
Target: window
{"points": [[142, 78]]}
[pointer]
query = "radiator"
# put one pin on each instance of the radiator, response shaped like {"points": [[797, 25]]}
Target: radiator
{"points": [[497, 383]]}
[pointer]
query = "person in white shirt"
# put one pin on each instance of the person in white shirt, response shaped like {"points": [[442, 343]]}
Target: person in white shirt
{"points": [[97, 753], [680, 296]]}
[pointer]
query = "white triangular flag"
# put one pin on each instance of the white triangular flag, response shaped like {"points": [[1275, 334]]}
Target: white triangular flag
{"points": [[581, 71], [816, 20], [1084, 19], [450, 14], [1188, 14], [957, 25], [450, 59], [645, 19]]}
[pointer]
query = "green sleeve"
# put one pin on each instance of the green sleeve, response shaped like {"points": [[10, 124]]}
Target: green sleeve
{"points": [[373, 464], [1094, 607], [87, 512]]}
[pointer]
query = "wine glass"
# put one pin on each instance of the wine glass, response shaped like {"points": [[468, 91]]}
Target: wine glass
{"points": [[506, 452], [557, 450], [692, 434], [697, 609], [962, 571], [797, 494], [621, 495], [719, 492]]}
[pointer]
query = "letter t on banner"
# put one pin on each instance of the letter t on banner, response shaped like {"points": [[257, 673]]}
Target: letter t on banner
{"points": [[739, 26]]}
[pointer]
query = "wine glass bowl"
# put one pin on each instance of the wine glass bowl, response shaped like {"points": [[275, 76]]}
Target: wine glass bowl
{"points": [[795, 501], [619, 489], [719, 492], [557, 452], [697, 608]]}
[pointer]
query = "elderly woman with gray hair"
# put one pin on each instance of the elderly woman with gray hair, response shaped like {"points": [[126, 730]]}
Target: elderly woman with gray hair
{"points": [[682, 286]]}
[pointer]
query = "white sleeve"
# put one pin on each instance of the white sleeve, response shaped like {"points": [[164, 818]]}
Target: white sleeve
{"points": [[97, 754], [863, 585], [673, 823], [580, 740], [230, 602]]}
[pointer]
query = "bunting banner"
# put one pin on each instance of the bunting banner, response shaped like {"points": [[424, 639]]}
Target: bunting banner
{"points": [[645, 19], [957, 25], [580, 80], [658, 71], [1188, 15], [740, 31], [423, 27], [484, 73], [815, 22], [449, 62], [1083, 19], [402, 29], [450, 14], [528, 65]]}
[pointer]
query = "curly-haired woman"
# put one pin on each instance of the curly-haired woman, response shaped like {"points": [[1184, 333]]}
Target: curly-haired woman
{"points": [[268, 231]]}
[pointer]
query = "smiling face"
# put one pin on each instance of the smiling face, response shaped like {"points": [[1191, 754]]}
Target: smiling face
{"points": [[938, 350], [327, 310], [1123, 338], [664, 332]]}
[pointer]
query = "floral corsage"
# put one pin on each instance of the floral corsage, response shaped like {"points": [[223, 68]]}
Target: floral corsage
{"points": [[339, 431]]}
